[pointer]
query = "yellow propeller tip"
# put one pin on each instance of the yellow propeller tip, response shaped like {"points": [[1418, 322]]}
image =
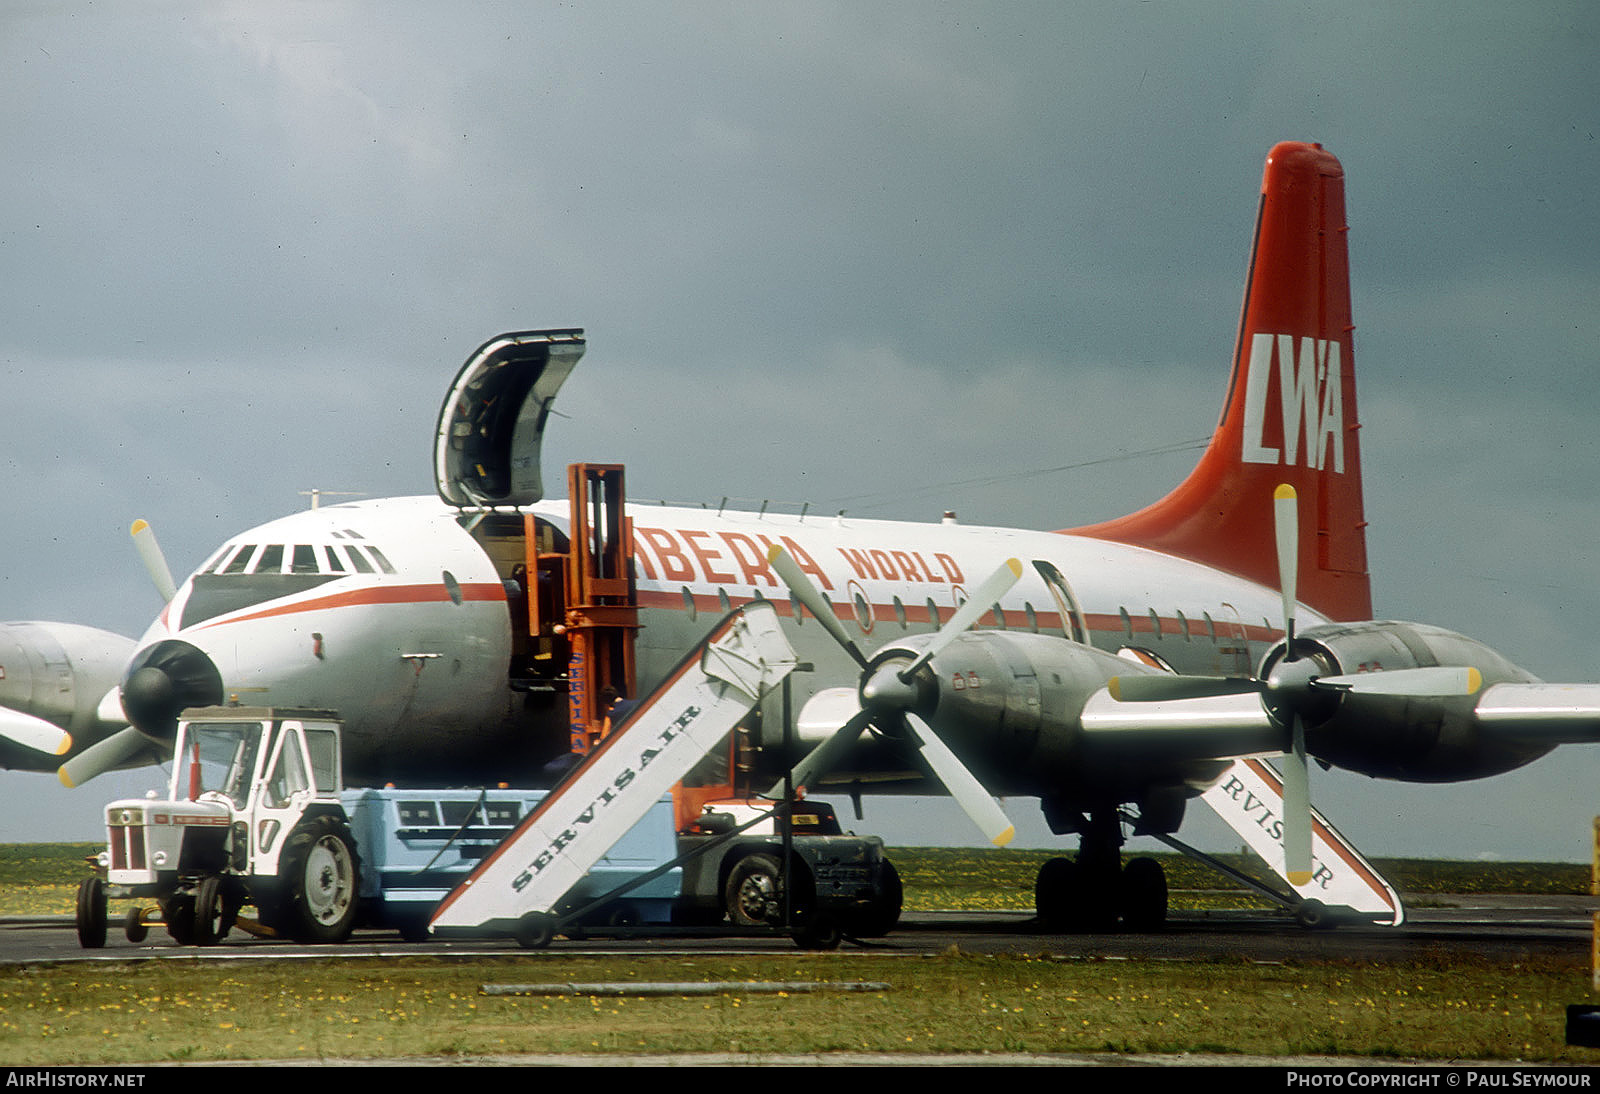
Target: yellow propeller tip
{"points": [[773, 552], [1284, 492], [65, 746], [1474, 680], [1005, 837], [1299, 877], [1015, 566], [1114, 686], [138, 526], [66, 780]]}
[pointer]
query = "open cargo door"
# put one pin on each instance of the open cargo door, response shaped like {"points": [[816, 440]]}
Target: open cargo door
{"points": [[486, 446]]}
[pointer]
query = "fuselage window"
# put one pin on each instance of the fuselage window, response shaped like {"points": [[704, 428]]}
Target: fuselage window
{"points": [[723, 602], [1155, 623], [1211, 628], [933, 612], [900, 613], [1033, 617], [999, 617], [688, 602], [383, 563], [863, 614], [240, 561], [1183, 626], [304, 560], [1127, 624], [358, 560], [271, 560]]}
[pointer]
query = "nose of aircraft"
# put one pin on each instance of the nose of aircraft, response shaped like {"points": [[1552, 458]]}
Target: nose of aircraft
{"points": [[164, 679]]}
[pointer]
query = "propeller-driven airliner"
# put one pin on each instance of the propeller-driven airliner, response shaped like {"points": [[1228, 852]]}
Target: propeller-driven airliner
{"points": [[1114, 672]]}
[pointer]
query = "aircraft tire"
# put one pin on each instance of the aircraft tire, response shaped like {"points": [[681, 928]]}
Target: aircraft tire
{"points": [[319, 875], [91, 913], [1144, 895], [754, 892], [210, 919], [1055, 893]]}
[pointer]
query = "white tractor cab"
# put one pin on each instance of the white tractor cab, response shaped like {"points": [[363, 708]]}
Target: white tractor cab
{"points": [[252, 815]]}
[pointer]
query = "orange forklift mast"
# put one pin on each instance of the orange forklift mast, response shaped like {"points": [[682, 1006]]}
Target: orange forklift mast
{"points": [[585, 598], [602, 613]]}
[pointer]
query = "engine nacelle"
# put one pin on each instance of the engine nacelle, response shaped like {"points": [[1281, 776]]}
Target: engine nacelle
{"points": [[57, 673], [1010, 704], [1420, 739]]}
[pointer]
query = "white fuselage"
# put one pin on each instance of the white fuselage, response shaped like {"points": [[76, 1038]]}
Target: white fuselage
{"points": [[390, 613]]}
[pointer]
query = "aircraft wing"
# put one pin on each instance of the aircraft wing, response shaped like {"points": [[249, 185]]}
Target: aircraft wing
{"points": [[1541, 713], [1213, 727]]}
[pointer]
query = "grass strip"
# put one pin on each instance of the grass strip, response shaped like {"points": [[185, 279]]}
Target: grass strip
{"points": [[105, 1014]]}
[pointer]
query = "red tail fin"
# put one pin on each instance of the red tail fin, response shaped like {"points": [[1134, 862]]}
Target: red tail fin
{"points": [[1291, 409]]}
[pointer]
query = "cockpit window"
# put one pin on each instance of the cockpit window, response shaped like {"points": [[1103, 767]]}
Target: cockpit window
{"points": [[240, 560], [335, 563], [271, 560], [383, 563], [358, 560], [304, 560]]}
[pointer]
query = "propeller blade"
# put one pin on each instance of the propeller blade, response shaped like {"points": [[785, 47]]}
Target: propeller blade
{"points": [[1297, 809], [826, 756], [968, 792], [113, 752], [983, 598], [1162, 687], [1426, 683], [1286, 523], [809, 595], [34, 733], [155, 563]]}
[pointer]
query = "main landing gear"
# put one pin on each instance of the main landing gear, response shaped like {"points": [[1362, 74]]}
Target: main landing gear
{"points": [[1096, 892]]}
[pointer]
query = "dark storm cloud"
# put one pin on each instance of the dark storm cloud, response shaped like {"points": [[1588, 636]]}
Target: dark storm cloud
{"points": [[889, 258]]}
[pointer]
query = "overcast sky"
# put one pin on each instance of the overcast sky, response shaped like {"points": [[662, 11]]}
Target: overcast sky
{"points": [[893, 258]]}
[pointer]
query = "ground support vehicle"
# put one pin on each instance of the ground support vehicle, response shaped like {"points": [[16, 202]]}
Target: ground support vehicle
{"points": [[255, 816], [814, 890], [417, 845], [840, 884]]}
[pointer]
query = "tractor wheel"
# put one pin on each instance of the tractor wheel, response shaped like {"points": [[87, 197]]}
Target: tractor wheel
{"points": [[134, 926], [210, 919], [319, 877], [91, 915], [177, 911]]}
